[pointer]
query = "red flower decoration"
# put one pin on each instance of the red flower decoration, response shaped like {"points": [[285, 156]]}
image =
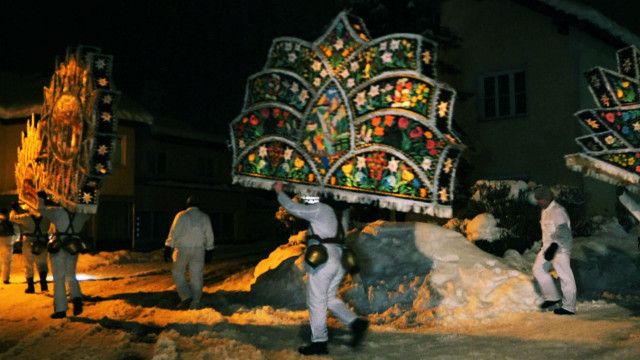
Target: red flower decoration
{"points": [[403, 123], [610, 117], [416, 132], [253, 120]]}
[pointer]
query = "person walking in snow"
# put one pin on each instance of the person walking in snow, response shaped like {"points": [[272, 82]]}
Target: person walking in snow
{"points": [[63, 253], [323, 279], [34, 245], [9, 232], [555, 251], [190, 244]]}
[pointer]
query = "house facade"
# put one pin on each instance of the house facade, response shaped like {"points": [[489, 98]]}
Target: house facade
{"points": [[518, 94]]}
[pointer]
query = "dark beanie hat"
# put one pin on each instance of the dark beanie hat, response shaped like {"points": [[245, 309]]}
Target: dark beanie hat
{"points": [[543, 193]]}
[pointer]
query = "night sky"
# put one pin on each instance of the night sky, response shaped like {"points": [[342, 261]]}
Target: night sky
{"points": [[186, 60]]}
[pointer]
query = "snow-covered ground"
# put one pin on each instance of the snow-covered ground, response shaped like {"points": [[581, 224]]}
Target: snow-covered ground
{"points": [[428, 292]]}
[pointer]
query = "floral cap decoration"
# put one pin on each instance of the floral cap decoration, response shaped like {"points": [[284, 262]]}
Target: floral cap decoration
{"points": [[611, 150], [68, 152], [362, 120]]}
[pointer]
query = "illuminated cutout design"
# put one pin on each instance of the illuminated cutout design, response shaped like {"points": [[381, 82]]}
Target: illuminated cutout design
{"points": [[68, 154], [361, 119], [611, 150]]}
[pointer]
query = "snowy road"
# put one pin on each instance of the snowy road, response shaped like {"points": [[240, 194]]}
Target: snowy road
{"points": [[129, 315]]}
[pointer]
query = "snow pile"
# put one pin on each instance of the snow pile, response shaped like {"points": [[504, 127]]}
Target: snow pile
{"points": [[483, 227], [88, 262], [172, 345], [419, 273], [609, 260]]}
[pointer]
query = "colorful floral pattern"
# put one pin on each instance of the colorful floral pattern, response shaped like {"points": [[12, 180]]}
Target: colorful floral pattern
{"points": [[300, 58], [627, 161], [327, 132], [338, 44], [417, 141], [626, 91], [627, 123], [389, 55], [276, 160], [280, 88], [380, 172], [365, 116], [615, 128], [396, 92], [272, 120]]}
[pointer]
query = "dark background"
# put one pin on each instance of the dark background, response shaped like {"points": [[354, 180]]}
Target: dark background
{"points": [[189, 60]]}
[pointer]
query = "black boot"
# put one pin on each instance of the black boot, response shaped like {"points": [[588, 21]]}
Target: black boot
{"points": [[359, 329], [30, 288], [315, 348], [59, 315], [43, 281], [77, 306]]}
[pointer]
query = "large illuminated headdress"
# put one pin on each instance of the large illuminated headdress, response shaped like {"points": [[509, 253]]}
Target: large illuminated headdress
{"points": [[364, 120], [68, 153], [611, 150]]}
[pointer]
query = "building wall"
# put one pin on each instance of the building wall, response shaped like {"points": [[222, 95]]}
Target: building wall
{"points": [[9, 143], [530, 146], [172, 166], [121, 182]]}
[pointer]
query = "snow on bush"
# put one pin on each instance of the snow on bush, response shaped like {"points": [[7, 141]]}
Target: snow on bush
{"points": [[484, 227]]}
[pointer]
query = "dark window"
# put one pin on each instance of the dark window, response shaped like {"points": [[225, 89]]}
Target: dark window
{"points": [[504, 95], [157, 162]]}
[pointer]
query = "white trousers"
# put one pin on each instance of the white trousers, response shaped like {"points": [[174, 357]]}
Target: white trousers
{"points": [[191, 258], [63, 265], [30, 259], [6, 252], [322, 294], [562, 264]]}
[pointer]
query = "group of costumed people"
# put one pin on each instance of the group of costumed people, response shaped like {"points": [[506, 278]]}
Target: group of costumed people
{"points": [[190, 243], [55, 230]]}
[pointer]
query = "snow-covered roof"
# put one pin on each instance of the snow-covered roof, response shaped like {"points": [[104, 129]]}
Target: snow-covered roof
{"points": [[593, 16]]}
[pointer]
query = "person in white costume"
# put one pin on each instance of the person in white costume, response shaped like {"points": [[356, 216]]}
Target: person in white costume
{"points": [[190, 244], [555, 252], [323, 280], [9, 232], [34, 245], [63, 253]]}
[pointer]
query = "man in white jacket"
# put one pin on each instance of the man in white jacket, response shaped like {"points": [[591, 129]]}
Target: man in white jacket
{"points": [[556, 251], [190, 244], [34, 245], [323, 280], [64, 258]]}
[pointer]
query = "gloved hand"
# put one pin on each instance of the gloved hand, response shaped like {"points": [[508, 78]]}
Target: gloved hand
{"points": [[208, 256], [168, 250], [551, 251]]}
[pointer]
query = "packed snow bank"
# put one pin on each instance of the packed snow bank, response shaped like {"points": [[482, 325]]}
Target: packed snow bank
{"points": [[412, 274], [419, 273], [609, 260]]}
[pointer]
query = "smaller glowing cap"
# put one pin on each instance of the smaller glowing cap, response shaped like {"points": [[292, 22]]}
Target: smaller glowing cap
{"points": [[310, 199]]}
